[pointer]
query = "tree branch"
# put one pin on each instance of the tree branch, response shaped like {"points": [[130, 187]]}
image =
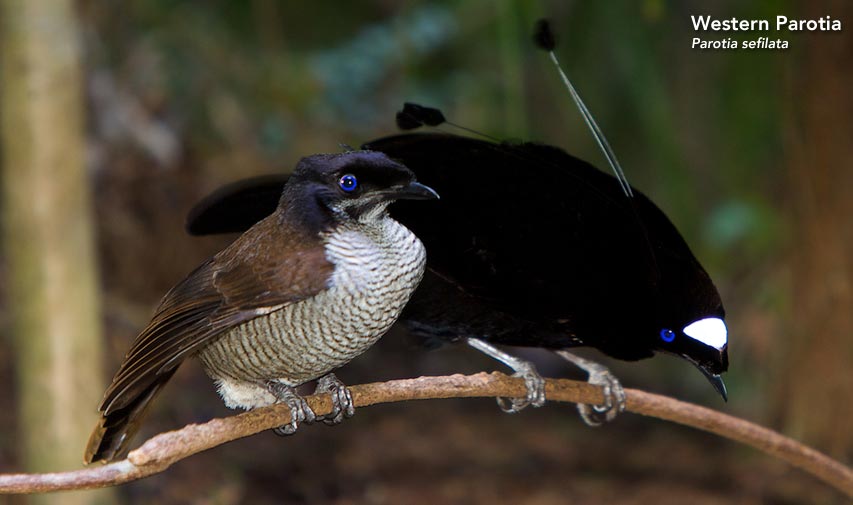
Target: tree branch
{"points": [[161, 451]]}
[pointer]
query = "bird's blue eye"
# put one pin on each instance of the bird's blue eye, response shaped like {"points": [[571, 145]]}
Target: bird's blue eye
{"points": [[667, 335], [348, 183]]}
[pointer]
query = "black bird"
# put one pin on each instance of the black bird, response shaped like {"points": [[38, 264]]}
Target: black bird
{"points": [[530, 246], [306, 289]]}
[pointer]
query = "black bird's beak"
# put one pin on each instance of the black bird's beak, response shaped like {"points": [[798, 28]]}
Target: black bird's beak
{"points": [[712, 371], [414, 191], [715, 379], [717, 382]]}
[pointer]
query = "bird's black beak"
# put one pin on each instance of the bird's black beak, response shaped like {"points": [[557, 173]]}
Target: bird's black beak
{"points": [[712, 369], [717, 382], [413, 191]]}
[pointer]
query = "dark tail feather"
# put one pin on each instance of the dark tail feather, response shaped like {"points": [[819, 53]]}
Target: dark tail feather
{"points": [[112, 435]]}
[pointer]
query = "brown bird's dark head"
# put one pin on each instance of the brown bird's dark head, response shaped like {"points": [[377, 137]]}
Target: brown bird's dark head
{"points": [[356, 185]]}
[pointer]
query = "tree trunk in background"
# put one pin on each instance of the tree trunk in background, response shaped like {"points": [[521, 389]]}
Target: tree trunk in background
{"points": [[816, 397], [48, 237]]}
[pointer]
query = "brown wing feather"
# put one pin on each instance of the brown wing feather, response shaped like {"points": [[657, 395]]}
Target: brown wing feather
{"points": [[265, 269]]}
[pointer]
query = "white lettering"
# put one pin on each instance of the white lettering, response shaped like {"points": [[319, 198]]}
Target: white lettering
{"points": [[701, 21], [823, 24], [714, 44], [727, 25]]}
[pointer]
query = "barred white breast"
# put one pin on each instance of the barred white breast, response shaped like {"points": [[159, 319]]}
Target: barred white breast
{"points": [[377, 267]]}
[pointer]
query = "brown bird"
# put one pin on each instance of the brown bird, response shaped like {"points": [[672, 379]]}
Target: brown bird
{"points": [[298, 295]]}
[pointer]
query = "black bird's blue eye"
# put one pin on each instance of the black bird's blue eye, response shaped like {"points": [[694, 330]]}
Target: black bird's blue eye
{"points": [[667, 335], [348, 183]]}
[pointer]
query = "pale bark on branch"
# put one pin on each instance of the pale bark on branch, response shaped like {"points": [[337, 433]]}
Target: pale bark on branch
{"points": [[161, 451]]}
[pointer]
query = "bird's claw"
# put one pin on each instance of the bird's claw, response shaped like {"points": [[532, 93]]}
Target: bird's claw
{"points": [[614, 398], [300, 412], [599, 375], [342, 405], [524, 369], [535, 390]]}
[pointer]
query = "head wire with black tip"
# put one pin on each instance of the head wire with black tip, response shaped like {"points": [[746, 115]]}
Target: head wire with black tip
{"points": [[414, 116], [545, 40]]}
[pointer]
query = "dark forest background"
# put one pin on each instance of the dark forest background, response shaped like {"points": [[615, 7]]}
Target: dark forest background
{"points": [[748, 152]]}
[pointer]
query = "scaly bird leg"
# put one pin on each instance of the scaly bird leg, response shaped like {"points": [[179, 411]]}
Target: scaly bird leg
{"points": [[524, 369], [342, 406], [299, 410], [599, 375]]}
